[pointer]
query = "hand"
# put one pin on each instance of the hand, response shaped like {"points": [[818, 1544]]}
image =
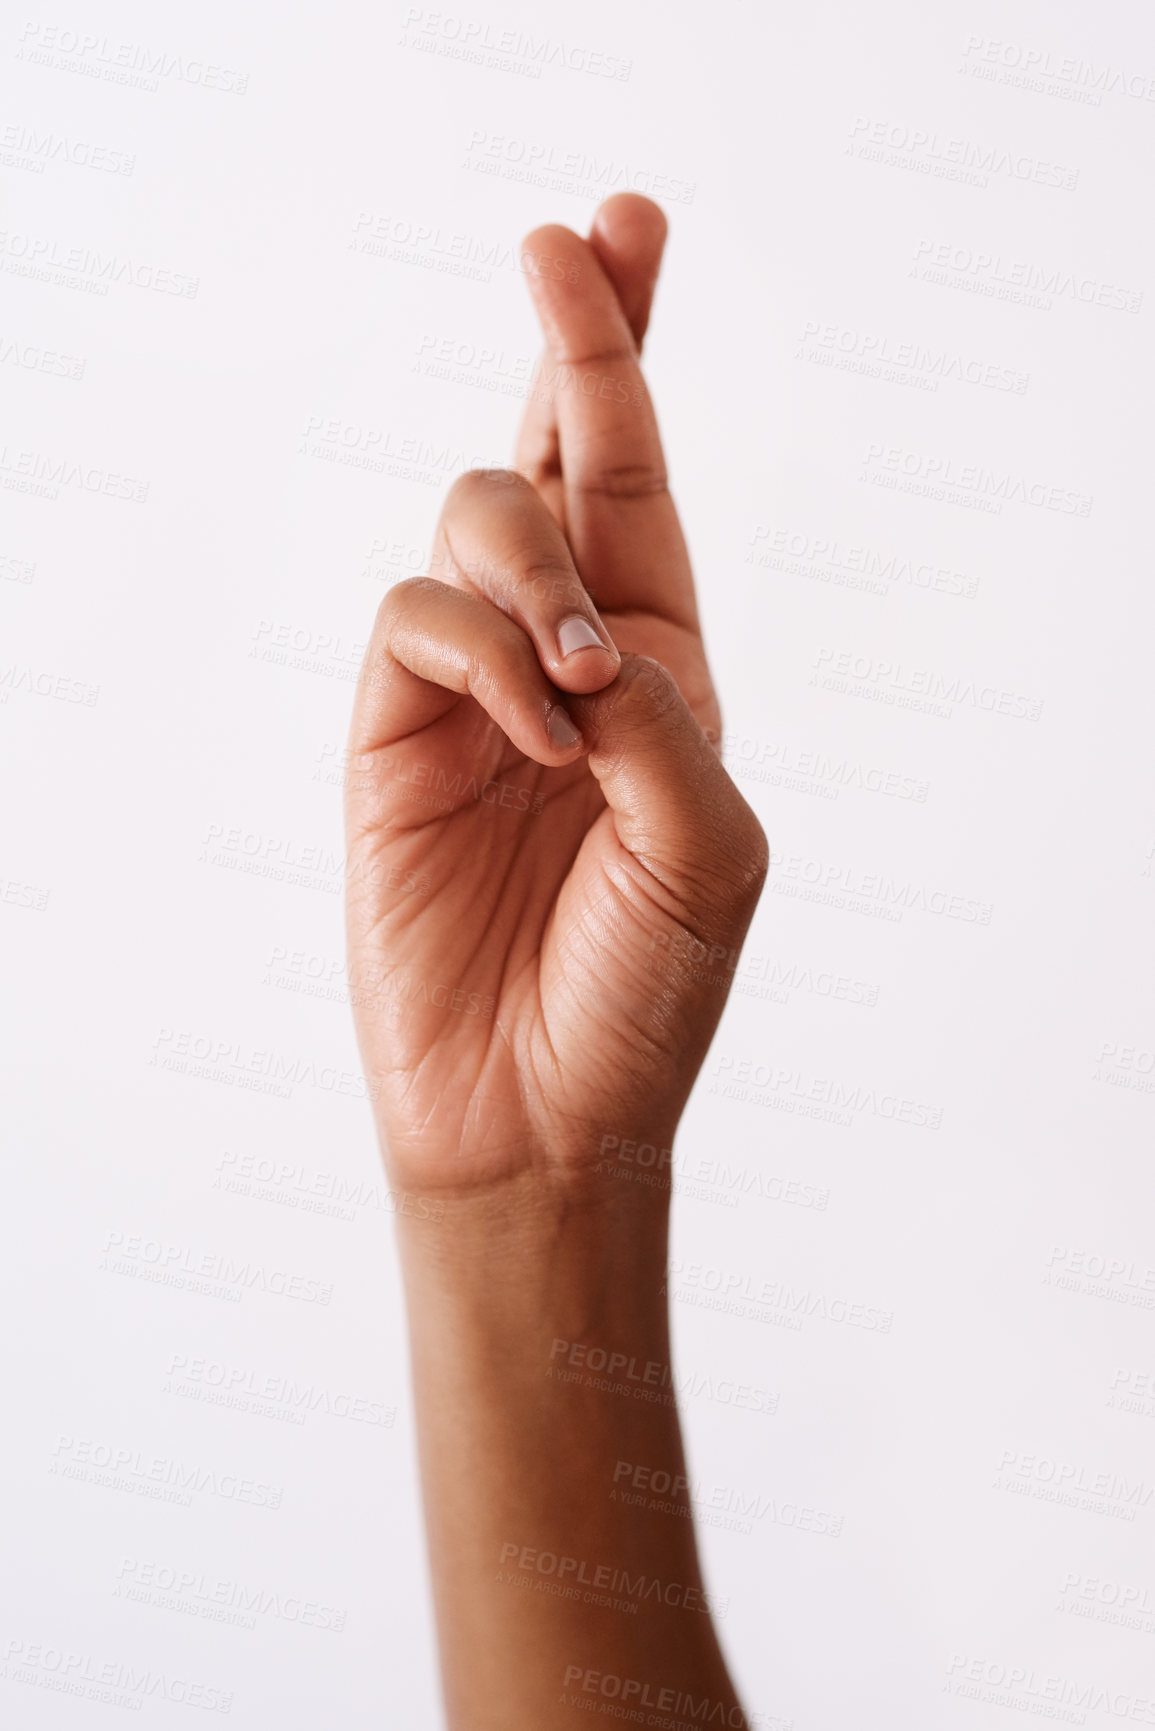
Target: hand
{"points": [[550, 872]]}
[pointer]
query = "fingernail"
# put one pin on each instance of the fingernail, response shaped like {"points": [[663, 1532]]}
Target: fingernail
{"points": [[561, 729], [576, 633]]}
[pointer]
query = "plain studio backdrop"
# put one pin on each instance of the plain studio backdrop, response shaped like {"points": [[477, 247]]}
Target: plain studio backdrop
{"points": [[262, 301]]}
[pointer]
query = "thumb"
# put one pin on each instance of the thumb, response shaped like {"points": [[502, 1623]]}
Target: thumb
{"points": [[675, 809]]}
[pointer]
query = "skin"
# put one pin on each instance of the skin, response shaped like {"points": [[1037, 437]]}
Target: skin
{"points": [[550, 876]]}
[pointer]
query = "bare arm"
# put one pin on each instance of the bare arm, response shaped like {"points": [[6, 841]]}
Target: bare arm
{"points": [[542, 843]]}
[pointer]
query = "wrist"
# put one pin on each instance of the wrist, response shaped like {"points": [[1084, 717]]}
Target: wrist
{"points": [[525, 1288], [538, 1233], [526, 1179]]}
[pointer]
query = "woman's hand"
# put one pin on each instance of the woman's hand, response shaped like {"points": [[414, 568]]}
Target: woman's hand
{"points": [[549, 875], [550, 872]]}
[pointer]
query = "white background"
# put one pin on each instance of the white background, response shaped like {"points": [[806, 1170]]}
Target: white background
{"points": [[900, 332]]}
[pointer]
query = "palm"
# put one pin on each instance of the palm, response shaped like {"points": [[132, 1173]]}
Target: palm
{"points": [[520, 904]]}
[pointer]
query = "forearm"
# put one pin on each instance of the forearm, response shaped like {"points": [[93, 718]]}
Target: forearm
{"points": [[540, 1344]]}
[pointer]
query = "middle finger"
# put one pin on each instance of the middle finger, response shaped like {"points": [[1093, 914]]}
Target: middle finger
{"points": [[620, 518]]}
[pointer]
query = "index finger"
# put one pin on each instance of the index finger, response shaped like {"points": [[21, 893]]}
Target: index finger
{"points": [[628, 233], [620, 519]]}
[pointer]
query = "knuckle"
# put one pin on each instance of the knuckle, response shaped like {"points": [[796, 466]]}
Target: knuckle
{"points": [[645, 681], [481, 483], [507, 665], [546, 579], [460, 490], [745, 858], [626, 481], [756, 851], [615, 354], [403, 598]]}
